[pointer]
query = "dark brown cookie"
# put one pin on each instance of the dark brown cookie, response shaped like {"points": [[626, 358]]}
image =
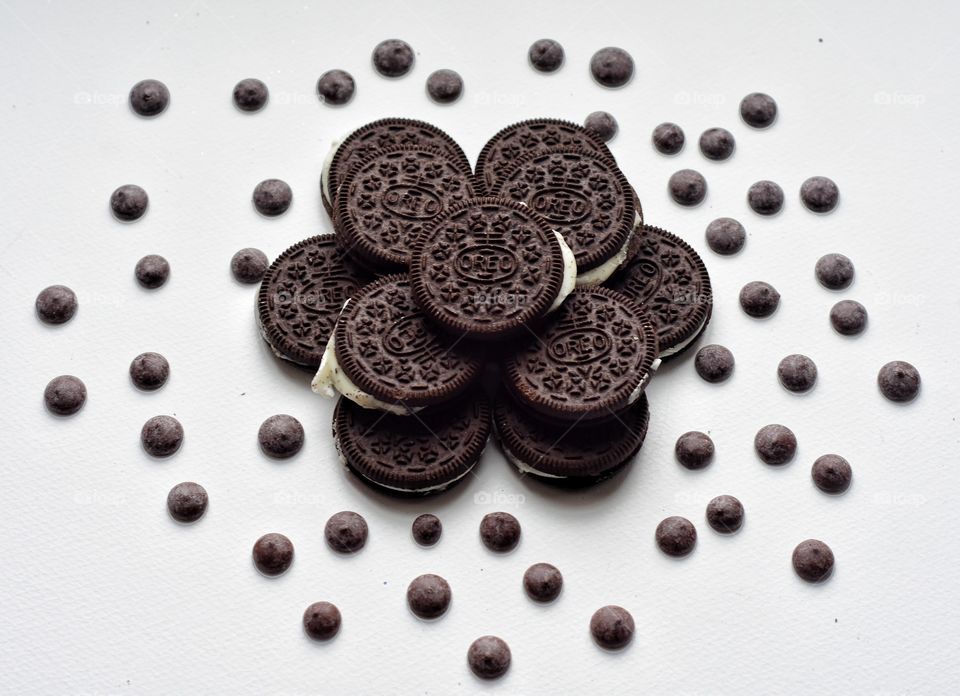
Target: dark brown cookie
{"points": [[301, 296], [668, 279], [388, 199], [420, 455], [590, 360]]}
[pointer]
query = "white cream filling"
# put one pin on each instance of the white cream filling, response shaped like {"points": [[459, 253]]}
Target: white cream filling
{"points": [[597, 275], [325, 172], [635, 394], [523, 466], [569, 273]]}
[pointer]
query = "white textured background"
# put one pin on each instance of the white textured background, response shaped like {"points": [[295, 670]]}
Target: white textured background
{"points": [[103, 594]]}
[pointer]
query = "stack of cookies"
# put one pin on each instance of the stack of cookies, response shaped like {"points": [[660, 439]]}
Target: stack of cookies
{"points": [[538, 263]]}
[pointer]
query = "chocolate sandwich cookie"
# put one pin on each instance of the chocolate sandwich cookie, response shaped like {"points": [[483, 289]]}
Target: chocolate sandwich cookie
{"points": [[556, 453], [488, 267], [301, 296], [344, 154], [583, 196], [531, 137], [385, 354], [669, 279], [391, 197], [590, 360], [412, 456]]}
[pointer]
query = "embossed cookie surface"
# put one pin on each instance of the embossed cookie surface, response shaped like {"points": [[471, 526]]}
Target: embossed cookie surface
{"points": [[487, 268], [588, 362]]}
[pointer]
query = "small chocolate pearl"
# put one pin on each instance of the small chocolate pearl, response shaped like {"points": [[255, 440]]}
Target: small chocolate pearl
{"points": [[899, 381], [687, 187], [272, 197], [603, 124], [765, 198], [321, 621], [725, 514], [831, 473], [444, 86], [500, 531], [726, 236], [694, 450], [187, 501], [346, 532], [668, 138], [393, 58], [273, 554], [250, 94], [813, 560], [676, 536], [427, 529], [65, 395], [758, 110], [759, 299], [834, 271], [280, 436], [717, 144], [546, 55], [848, 317], [542, 582], [612, 627], [336, 87], [489, 657], [161, 436], [56, 304], [797, 373], [149, 98], [428, 596], [149, 371], [714, 363], [248, 265], [129, 202], [819, 194], [611, 67], [775, 444], [152, 271]]}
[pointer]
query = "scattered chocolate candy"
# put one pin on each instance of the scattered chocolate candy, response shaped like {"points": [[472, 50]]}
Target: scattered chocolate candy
{"points": [[280, 436], [546, 55], [149, 371], [831, 473], [346, 532], [694, 450], [250, 94], [161, 436], [726, 236], [187, 501], [848, 317], [797, 373], [428, 596], [687, 187], [65, 395], [56, 304], [489, 657], [899, 381], [249, 265], [444, 86], [273, 554], [775, 444], [676, 536], [765, 198], [611, 67], [500, 531], [834, 271], [758, 110], [714, 363], [272, 197], [542, 582], [668, 138], [813, 560], [819, 194], [725, 514], [336, 87], [152, 271], [717, 144], [759, 299], [603, 124], [321, 621], [149, 98], [612, 627], [427, 529], [393, 58], [129, 202]]}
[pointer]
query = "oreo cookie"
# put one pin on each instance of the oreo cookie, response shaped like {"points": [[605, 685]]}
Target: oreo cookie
{"points": [[589, 362], [489, 267], [360, 144], [384, 353], [412, 456], [391, 197], [569, 456], [584, 197], [669, 279], [301, 296]]}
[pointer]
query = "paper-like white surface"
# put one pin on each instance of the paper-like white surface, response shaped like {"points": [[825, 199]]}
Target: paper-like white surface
{"points": [[101, 593]]}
